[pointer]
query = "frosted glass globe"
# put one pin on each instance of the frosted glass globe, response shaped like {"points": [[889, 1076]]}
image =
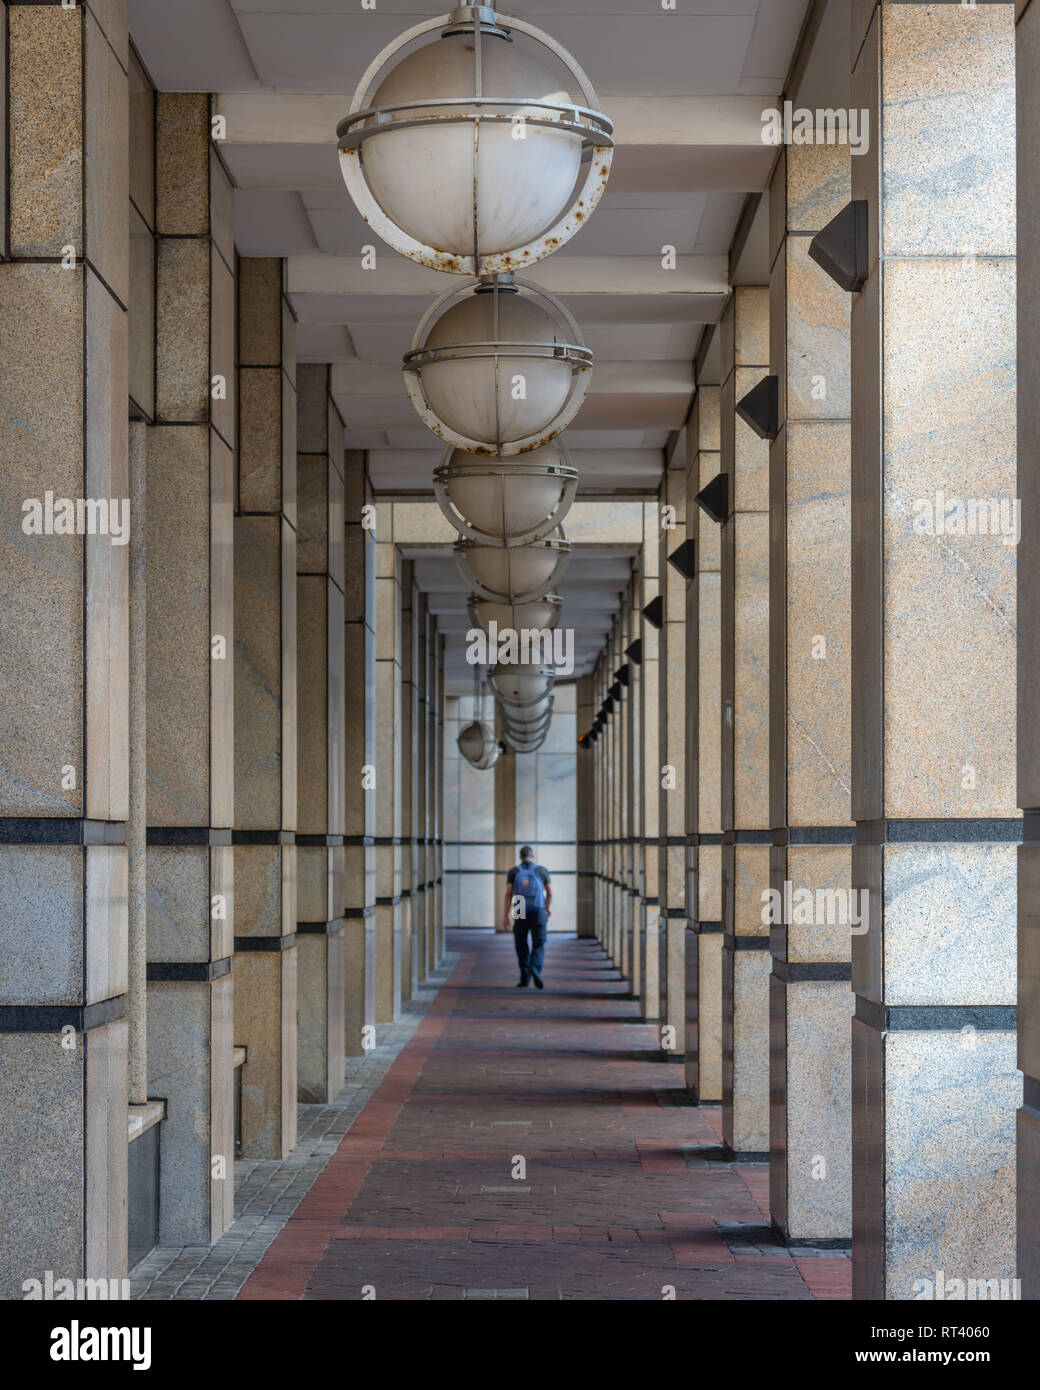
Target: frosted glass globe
{"points": [[478, 745], [500, 500], [515, 572], [443, 182], [501, 397], [539, 613], [514, 683]]}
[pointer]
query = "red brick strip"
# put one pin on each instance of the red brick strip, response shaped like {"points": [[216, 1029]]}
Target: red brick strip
{"points": [[295, 1252]]}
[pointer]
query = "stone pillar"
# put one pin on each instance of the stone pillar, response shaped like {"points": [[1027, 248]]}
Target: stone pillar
{"points": [[636, 701], [438, 812], [616, 794], [190, 645], [672, 769], [406, 735], [359, 810], [704, 768], [649, 671], [745, 732], [432, 749], [63, 657], [1028, 1202], [626, 887], [604, 812], [266, 973], [421, 906], [933, 651], [320, 635], [141, 379], [388, 769], [809, 719], [586, 793]]}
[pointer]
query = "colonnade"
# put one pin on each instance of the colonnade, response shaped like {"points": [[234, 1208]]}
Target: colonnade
{"points": [[828, 890], [220, 755]]}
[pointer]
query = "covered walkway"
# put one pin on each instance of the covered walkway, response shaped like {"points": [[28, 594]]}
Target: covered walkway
{"points": [[623, 1191]]}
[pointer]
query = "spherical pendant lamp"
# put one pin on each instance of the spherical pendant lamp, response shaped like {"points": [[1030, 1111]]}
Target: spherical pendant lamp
{"points": [[500, 502], [530, 708], [500, 128], [515, 685], [513, 574], [536, 615], [520, 731], [497, 367], [478, 745]]}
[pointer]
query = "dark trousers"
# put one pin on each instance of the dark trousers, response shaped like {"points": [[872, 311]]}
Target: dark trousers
{"points": [[530, 960]]}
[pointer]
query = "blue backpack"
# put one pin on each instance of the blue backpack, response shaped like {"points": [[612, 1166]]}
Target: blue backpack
{"points": [[528, 885]]}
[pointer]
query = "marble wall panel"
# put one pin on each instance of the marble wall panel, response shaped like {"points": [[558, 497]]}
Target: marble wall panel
{"points": [[949, 621], [178, 622], [949, 1157], [950, 924], [818, 1081], [818, 579], [41, 1113]]}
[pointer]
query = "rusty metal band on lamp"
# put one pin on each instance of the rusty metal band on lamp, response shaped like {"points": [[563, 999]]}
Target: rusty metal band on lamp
{"points": [[508, 143]]}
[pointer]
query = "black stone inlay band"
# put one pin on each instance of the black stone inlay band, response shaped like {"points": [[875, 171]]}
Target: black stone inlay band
{"points": [[880, 832], [263, 837], [359, 911], [47, 1018], [745, 943], [794, 971], [672, 911], [46, 830], [265, 943], [188, 835], [320, 841], [197, 971], [319, 928], [708, 926], [707, 839], [815, 835], [388, 902], [366, 840], [746, 837], [936, 1018]]}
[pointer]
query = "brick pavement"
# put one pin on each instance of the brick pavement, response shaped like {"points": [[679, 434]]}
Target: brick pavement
{"points": [[530, 1145], [268, 1191]]}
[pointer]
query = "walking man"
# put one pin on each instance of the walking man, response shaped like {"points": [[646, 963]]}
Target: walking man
{"points": [[527, 908]]}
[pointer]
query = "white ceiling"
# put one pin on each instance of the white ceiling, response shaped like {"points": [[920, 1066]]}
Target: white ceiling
{"points": [[685, 87]]}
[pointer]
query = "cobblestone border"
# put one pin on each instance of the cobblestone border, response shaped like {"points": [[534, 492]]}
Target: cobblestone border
{"points": [[268, 1191]]}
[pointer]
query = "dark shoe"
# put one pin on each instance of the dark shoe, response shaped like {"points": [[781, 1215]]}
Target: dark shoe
{"points": [[537, 979], [522, 982]]}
